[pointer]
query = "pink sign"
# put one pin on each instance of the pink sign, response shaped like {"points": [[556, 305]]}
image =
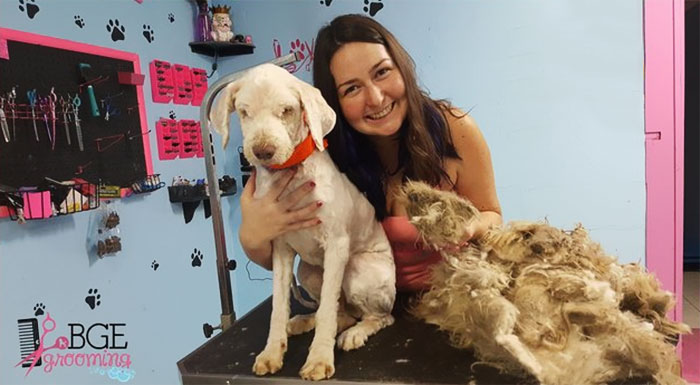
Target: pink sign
{"points": [[4, 52]]}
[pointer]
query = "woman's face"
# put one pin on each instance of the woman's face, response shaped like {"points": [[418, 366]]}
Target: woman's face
{"points": [[370, 88]]}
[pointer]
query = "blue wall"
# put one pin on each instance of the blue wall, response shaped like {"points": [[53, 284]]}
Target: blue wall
{"points": [[556, 86]]}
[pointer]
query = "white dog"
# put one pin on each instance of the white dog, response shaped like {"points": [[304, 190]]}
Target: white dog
{"points": [[348, 252]]}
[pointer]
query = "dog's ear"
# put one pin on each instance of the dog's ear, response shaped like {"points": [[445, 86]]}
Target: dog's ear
{"points": [[320, 117], [223, 108]]}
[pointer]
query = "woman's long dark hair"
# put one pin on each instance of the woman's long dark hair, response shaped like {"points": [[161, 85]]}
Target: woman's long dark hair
{"points": [[424, 137]]}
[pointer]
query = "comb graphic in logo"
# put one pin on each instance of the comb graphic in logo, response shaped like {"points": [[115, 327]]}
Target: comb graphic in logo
{"points": [[28, 339]]}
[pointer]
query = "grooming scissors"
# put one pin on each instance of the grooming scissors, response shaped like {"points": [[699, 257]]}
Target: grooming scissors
{"points": [[11, 97], [44, 107], [31, 95], [3, 121], [78, 130], [52, 114], [64, 109]]}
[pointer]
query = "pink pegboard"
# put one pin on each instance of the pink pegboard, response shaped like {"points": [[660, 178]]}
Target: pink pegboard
{"points": [[169, 139], [199, 82], [191, 138], [200, 150], [162, 81], [183, 84]]}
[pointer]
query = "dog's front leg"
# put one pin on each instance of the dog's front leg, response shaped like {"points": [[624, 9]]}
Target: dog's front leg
{"points": [[270, 359], [319, 363]]}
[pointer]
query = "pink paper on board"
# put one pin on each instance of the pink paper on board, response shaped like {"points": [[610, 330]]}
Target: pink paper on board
{"points": [[4, 52], [37, 204]]}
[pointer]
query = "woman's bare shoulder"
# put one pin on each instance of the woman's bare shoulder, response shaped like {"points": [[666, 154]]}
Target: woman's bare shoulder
{"points": [[463, 129]]}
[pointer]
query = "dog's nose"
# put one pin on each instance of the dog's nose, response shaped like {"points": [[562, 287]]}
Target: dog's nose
{"points": [[264, 152]]}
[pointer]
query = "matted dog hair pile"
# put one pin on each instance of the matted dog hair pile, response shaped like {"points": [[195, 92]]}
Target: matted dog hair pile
{"points": [[533, 299]]}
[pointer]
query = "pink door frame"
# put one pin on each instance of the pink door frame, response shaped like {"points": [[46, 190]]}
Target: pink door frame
{"points": [[664, 46], [664, 102]]}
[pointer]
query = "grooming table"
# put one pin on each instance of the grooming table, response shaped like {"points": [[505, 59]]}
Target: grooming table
{"points": [[408, 352]]}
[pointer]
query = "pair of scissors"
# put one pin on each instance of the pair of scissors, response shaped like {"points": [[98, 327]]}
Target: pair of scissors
{"points": [[48, 325], [76, 103], [31, 95], [52, 113], [3, 121], [44, 108], [64, 110], [11, 96]]}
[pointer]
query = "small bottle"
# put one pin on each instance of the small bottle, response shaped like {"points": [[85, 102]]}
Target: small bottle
{"points": [[202, 31]]}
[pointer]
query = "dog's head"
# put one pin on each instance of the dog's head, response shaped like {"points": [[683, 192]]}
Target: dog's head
{"points": [[277, 111]]}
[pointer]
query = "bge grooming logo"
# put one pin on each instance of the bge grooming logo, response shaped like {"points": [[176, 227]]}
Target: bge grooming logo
{"points": [[102, 337]]}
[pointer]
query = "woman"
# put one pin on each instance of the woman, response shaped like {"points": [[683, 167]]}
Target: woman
{"points": [[388, 130]]}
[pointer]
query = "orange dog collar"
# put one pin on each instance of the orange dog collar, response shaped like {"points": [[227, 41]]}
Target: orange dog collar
{"points": [[302, 151]]}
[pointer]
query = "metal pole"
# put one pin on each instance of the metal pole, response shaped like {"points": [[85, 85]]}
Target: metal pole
{"points": [[228, 315]]}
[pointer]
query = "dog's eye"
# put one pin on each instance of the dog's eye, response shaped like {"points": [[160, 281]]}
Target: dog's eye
{"points": [[287, 112], [243, 113]]}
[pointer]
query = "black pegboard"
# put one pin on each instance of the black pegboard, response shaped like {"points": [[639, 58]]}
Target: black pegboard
{"points": [[25, 162]]}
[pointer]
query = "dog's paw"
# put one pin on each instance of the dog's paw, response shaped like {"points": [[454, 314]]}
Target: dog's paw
{"points": [[318, 367], [269, 361], [353, 338], [300, 324]]}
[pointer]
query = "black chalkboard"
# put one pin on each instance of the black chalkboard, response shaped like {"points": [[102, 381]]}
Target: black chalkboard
{"points": [[113, 149]]}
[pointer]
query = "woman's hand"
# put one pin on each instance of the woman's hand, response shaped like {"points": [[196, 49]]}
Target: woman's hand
{"points": [[266, 218]]}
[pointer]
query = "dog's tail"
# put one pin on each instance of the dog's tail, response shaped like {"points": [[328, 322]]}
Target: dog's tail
{"points": [[297, 295]]}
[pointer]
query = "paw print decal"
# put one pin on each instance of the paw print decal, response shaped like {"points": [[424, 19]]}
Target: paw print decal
{"points": [[117, 31], [197, 258], [171, 17], [39, 309], [93, 299], [79, 21], [172, 115], [373, 7], [154, 265], [326, 2], [299, 48], [29, 7], [148, 33]]}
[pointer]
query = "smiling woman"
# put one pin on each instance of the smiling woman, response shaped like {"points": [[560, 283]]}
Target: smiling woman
{"points": [[389, 130]]}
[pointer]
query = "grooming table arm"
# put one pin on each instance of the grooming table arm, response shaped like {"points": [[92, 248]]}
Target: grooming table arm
{"points": [[228, 315]]}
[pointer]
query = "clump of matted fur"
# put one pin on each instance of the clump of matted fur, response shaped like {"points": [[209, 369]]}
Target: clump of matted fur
{"points": [[439, 219], [531, 298]]}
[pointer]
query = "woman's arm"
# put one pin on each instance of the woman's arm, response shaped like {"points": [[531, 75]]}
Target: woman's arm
{"points": [[266, 218], [475, 178]]}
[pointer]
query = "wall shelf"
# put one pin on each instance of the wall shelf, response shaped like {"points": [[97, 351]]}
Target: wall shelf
{"points": [[221, 48]]}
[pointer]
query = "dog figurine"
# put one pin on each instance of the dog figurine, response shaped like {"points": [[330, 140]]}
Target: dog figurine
{"points": [[347, 264]]}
